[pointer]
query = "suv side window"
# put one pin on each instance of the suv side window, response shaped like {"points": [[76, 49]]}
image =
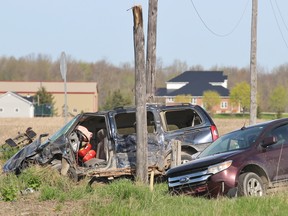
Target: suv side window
{"points": [[281, 133], [178, 119]]}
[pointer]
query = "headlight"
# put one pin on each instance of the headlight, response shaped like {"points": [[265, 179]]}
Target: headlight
{"points": [[219, 167]]}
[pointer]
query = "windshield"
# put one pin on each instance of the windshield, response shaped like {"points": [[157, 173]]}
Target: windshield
{"points": [[240, 139], [63, 130]]}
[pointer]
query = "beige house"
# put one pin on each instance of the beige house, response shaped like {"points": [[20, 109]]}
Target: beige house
{"points": [[81, 96]]}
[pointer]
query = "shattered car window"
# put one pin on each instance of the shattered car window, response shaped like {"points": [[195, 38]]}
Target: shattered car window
{"points": [[178, 119], [62, 131]]}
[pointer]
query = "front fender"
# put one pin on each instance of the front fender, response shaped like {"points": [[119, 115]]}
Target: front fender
{"points": [[16, 160]]}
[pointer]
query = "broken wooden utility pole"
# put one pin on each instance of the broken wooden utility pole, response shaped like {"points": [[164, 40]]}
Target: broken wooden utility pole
{"points": [[140, 97], [253, 64], [151, 50]]}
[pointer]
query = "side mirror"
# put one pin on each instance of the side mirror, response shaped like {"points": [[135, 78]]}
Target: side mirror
{"points": [[269, 141]]}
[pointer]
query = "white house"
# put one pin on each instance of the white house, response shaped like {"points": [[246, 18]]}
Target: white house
{"points": [[13, 105]]}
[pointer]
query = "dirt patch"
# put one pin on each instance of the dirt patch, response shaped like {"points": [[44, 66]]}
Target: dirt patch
{"points": [[30, 205], [227, 125]]}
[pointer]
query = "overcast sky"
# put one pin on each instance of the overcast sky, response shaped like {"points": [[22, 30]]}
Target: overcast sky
{"points": [[205, 32]]}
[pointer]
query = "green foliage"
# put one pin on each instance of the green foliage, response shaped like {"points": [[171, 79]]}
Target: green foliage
{"points": [[62, 188], [278, 100], [183, 99], [43, 97], [9, 187], [240, 94], [267, 116], [7, 152], [116, 99], [211, 99], [31, 178]]}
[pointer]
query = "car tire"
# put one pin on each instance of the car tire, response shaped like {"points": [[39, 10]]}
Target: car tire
{"points": [[185, 157], [72, 174], [250, 184]]}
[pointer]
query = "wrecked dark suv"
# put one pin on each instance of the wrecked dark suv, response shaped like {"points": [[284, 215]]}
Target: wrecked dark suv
{"points": [[112, 141], [247, 162]]}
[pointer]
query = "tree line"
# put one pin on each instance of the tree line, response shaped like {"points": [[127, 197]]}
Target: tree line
{"points": [[116, 82]]}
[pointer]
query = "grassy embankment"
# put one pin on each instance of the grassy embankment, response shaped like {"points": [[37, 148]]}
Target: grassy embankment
{"points": [[56, 195]]}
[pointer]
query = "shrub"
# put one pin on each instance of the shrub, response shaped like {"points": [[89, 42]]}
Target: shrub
{"points": [[9, 187]]}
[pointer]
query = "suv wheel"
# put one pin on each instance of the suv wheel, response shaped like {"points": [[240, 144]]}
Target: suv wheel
{"points": [[185, 157], [250, 184]]}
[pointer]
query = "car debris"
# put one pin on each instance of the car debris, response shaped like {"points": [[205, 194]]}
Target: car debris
{"points": [[22, 139], [103, 144]]}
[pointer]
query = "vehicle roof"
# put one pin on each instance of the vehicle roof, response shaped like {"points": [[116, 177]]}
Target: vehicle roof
{"points": [[152, 106], [264, 124]]}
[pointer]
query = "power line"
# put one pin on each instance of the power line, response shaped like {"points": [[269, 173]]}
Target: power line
{"points": [[213, 32], [278, 24], [281, 15]]}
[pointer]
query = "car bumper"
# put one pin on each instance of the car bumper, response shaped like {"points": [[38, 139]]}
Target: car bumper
{"points": [[222, 183]]}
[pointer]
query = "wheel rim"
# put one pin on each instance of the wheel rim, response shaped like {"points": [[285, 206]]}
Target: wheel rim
{"points": [[184, 161], [254, 187]]}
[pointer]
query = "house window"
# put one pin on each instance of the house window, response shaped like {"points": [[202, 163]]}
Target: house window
{"points": [[224, 104], [75, 110], [194, 101], [16, 110], [1, 109]]}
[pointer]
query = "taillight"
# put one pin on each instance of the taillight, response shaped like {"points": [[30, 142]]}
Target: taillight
{"points": [[214, 132]]}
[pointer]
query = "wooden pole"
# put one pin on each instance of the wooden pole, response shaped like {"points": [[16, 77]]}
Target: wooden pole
{"points": [[140, 98], [253, 64], [151, 49], [152, 180]]}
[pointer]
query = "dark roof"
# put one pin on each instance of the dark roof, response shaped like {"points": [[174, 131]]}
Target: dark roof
{"points": [[198, 83], [28, 98], [161, 92], [200, 76]]}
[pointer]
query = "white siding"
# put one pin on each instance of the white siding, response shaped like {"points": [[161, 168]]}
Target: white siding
{"points": [[12, 105], [175, 85]]}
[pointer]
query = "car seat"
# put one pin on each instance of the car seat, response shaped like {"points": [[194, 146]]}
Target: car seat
{"points": [[102, 146]]}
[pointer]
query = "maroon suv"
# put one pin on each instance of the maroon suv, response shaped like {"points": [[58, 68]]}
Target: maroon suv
{"points": [[245, 162]]}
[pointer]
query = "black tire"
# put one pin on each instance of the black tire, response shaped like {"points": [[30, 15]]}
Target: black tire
{"points": [[73, 175], [250, 184], [185, 157]]}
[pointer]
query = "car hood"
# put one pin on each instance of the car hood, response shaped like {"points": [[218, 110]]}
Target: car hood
{"points": [[15, 161], [203, 162]]}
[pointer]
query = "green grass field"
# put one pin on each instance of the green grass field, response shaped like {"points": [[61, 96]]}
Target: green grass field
{"points": [[57, 195]]}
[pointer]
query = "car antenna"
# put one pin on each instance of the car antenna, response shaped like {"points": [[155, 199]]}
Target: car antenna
{"points": [[244, 125]]}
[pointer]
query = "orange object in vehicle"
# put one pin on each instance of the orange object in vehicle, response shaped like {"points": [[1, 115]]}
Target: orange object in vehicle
{"points": [[91, 154], [83, 151]]}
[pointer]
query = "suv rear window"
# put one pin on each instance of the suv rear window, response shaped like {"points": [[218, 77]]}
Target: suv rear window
{"points": [[178, 119]]}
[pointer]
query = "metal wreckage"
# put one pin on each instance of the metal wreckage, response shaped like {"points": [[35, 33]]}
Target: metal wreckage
{"points": [[103, 144]]}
